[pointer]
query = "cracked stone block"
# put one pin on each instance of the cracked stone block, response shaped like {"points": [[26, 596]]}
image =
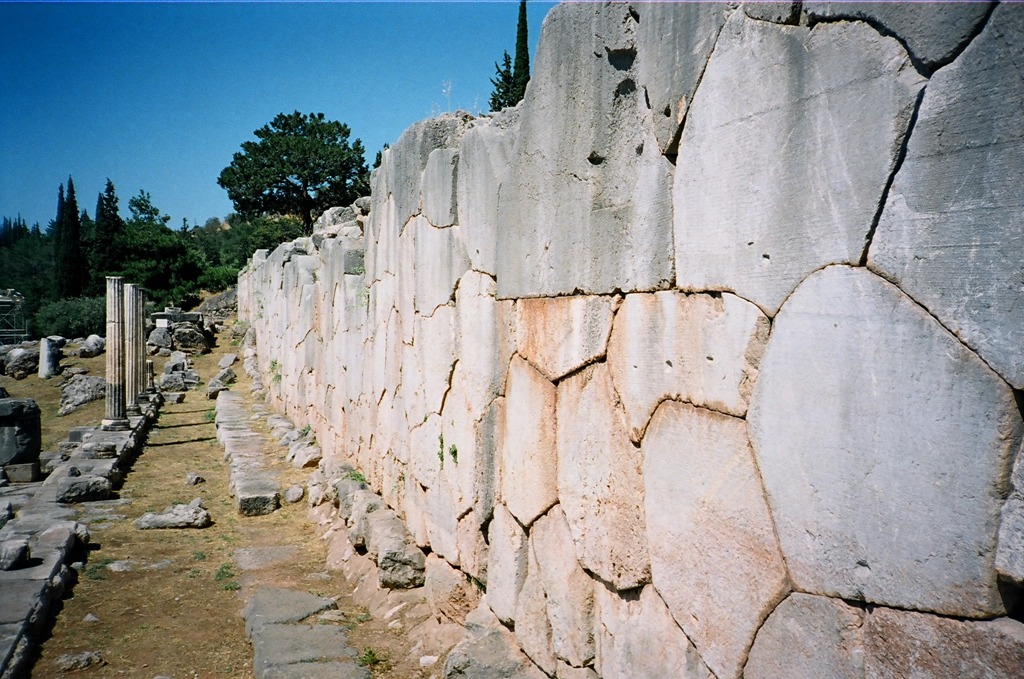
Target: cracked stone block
{"points": [[484, 154], [506, 563], [532, 627], [590, 210], [638, 638], [440, 205], [908, 644], [428, 362], [568, 590], [489, 650], [885, 447], [950, 234], [698, 348], [601, 489], [932, 31], [529, 465], [674, 41], [471, 449], [442, 521], [787, 149], [809, 636], [714, 557], [562, 334], [440, 261], [1010, 553], [485, 336], [450, 594]]}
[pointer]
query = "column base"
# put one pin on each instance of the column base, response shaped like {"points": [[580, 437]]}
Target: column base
{"points": [[115, 425], [133, 411]]}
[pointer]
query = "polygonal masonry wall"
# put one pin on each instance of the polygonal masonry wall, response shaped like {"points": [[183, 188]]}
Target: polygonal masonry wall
{"points": [[714, 340]]}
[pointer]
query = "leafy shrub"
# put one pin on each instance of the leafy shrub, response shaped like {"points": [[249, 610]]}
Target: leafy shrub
{"points": [[73, 317]]}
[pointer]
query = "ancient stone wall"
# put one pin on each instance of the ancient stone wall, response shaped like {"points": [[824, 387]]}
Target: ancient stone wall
{"points": [[708, 355]]}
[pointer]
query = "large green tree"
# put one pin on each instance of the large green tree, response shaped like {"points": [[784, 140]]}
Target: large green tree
{"points": [[504, 84], [108, 233], [299, 165]]}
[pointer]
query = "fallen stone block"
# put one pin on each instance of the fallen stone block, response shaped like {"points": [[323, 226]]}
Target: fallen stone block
{"points": [[489, 650], [256, 496], [80, 661], [401, 565], [294, 493], [13, 553], [84, 488], [227, 360], [192, 515]]}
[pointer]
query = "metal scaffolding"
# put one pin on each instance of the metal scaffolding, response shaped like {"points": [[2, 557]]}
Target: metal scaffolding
{"points": [[13, 326]]}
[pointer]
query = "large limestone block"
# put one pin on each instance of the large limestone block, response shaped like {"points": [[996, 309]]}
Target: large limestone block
{"points": [[809, 636], [483, 158], [590, 209], [439, 184], [424, 442], [600, 485], [486, 339], [638, 638], [428, 363], [674, 41], [932, 31], [471, 450], [702, 349], [568, 590], [906, 645], [442, 522], [408, 158], [440, 262], [561, 334], [885, 448], [714, 557], [506, 563], [533, 629], [1010, 553], [529, 464], [787, 149], [952, 232]]}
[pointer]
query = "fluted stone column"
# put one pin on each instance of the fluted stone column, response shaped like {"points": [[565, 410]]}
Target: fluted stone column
{"points": [[132, 342], [116, 419]]}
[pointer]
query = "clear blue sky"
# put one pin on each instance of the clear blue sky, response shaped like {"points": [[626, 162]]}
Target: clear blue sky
{"points": [[159, 96]]}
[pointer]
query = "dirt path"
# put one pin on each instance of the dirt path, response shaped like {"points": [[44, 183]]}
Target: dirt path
{"points": [[168, 602]]}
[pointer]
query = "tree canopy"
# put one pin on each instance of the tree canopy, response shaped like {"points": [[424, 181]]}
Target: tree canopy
{"points": [[510, 79], [299, 165]]}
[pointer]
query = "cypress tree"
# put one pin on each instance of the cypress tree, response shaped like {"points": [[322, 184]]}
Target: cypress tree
{"points": [[521, 69], [72, 273], [108, 234]]}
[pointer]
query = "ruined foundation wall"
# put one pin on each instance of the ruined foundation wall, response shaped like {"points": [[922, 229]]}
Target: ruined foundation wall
{"points": [[708, 355]]}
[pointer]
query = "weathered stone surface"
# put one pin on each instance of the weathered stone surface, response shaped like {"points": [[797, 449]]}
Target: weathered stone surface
{"points": [[20, 431], [21, 362], [714, 557], [174, 382], [885, 447], [562, 334], [533, 629], [950, 234], [698, 348], [84, 488], [79, 390], [440, 261], [600, 487], [440, 205], [787, 148], [277, 644], [529, 464], [294, 493], [638, 638], [590, 209], [13, 553], [674, 41], [49, 358], [809, 636], [160, 337], [255, 495], [1010, 552], [775, 12], [189, 338], [404, 164], [483, 163], [489, 651], [401, 564], [506, 563], [92, 346], [934, 32], [227, 360], [451, 596], [176, 362], [192, 515], [280, 605], [568, 590], [485, 337], [904, 644]]}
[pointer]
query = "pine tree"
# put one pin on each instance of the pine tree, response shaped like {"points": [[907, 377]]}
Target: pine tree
{"points": [[521, 69], [503, 85], [106, 245]]}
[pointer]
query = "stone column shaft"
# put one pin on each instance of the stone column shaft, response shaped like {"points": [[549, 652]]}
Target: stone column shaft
{"points": [[132, 338], [116, 419]]}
